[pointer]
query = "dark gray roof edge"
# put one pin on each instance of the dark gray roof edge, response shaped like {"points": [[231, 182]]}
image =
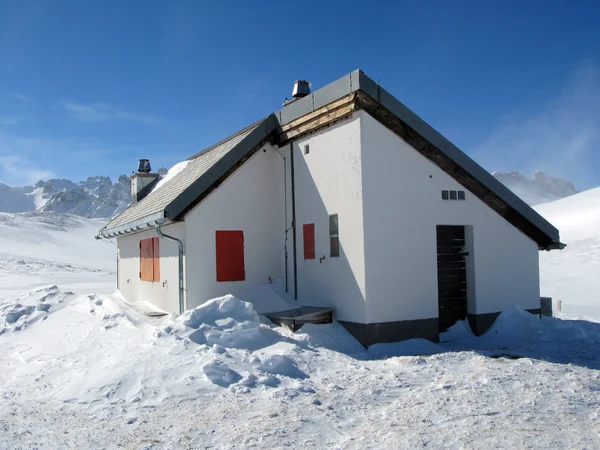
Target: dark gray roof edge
{"points": [[181, 204], [333, 91], [396, 107]]}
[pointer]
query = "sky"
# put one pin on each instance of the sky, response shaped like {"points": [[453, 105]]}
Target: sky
{"points": [[88, 88]]}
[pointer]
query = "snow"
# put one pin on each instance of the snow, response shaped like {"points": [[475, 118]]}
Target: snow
{"points": [[170, 174], [92, 372], [50, 248], [570, 275], [81, 368]]}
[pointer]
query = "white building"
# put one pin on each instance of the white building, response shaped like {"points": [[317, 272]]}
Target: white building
{"points": [[355, 202]]}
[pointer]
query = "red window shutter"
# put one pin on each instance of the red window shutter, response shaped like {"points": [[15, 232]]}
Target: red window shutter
{"points": [[308, 231], [146, 263], [230, 256], [156, 258]]}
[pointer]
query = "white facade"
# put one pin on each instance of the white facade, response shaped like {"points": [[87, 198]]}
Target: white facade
{"points": [[328, 180], [164, 293], [402, 206], [250, 200], [388, 200]]}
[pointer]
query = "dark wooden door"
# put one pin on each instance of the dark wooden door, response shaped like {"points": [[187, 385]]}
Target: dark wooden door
{"points": [[452, 275]]}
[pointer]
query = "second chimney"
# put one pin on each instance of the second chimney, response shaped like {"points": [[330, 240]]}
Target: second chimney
{"points": [[141, 181]]}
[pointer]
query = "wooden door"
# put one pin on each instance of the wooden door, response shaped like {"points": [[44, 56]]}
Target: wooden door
{"points": [[452, 275]]}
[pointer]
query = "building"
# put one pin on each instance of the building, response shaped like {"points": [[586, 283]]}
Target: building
{"points": [[355, 202]]}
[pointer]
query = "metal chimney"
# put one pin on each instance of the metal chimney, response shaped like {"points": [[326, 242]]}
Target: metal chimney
{"points": [[301, 89], [144, 166]]}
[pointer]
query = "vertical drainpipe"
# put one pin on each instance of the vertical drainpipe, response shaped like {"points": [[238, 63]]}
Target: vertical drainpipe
{"points": [[286, 230], [180, 262], [294, 218]]}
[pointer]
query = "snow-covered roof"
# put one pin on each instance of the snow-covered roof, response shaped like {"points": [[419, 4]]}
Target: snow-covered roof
{"points": [[355, 91], [174, 184]]}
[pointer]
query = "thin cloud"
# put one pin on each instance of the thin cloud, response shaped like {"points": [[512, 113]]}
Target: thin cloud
{"points": [[98, 112], [21, 171], [20, 96], [561, 138], [6, 119]]}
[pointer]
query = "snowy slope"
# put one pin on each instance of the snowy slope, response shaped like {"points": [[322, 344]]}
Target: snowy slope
{"points": [[571, 275], [37, 247], [540, 188]]}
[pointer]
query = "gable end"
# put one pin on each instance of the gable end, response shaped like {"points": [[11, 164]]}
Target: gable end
{"points": [[546, 239]]}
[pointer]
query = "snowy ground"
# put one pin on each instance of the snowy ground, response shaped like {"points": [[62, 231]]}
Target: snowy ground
{"points": [[571, 275], [86, 371], [41, 248], [81, 369]]}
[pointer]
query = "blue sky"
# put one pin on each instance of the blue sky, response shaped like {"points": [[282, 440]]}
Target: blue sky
{"points": [[88, 88]]}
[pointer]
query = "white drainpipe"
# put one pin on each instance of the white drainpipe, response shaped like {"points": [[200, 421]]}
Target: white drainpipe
{"points": [[180, 261]]}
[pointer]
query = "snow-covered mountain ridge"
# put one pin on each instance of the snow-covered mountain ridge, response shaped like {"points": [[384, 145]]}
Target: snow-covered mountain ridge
{"points": [[540, 188], [94, 197]]}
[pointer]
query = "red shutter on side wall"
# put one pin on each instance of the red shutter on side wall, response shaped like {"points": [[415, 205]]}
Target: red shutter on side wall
{"points": [[156, 258], [308, 232], [146, 262], [230, 256]]}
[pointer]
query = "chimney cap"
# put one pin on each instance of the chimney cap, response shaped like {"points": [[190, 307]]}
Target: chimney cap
{"points": [[301, 89], [144, 166]]}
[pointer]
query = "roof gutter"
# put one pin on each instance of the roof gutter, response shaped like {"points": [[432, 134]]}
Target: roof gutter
{"points": [[179, 260]]}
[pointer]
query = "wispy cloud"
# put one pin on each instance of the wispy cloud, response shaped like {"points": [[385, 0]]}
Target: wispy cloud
{"points": [[20, 96], [6, 119], [562, 138], [99, 112], [22, 171]]}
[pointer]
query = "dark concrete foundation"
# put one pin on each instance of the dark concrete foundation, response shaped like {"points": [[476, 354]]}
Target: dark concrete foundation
{"points": [[376, 333], [480, 323]]}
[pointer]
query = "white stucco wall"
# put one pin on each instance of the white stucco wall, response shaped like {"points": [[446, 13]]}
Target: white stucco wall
{"points": [[252, 200], [164, 294], [329, 181], [402, 206]]}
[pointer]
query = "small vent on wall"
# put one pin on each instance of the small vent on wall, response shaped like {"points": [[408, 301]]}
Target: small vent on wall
{"points": [[453, 195], [306, 149]]}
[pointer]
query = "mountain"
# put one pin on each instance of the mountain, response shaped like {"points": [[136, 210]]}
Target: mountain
{"points": [[94, 197], [540, 188]]}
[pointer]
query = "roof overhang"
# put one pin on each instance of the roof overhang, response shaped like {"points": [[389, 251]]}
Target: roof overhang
{"points": [[137, 226]]}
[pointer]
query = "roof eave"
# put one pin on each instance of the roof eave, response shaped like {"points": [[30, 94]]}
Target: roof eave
{"points": [[132, 227]]}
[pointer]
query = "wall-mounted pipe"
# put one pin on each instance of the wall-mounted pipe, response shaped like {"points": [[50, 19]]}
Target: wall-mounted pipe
{"points": [[180, 262], [294, 218], [287, 229]]}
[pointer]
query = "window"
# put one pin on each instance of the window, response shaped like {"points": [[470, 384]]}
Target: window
{"points": [[308, 233], [230, 255], [306, 149], [334, 238], [453, 195], [149, 259]]}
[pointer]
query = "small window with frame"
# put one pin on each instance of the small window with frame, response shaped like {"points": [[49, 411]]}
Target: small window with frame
{"points": [[445, 195], [461, 195], [306, 149], [452, 195], [334, 237]]}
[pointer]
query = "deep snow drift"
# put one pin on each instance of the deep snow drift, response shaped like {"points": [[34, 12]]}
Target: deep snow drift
{"points": [[87, 371], [571, 275]]}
